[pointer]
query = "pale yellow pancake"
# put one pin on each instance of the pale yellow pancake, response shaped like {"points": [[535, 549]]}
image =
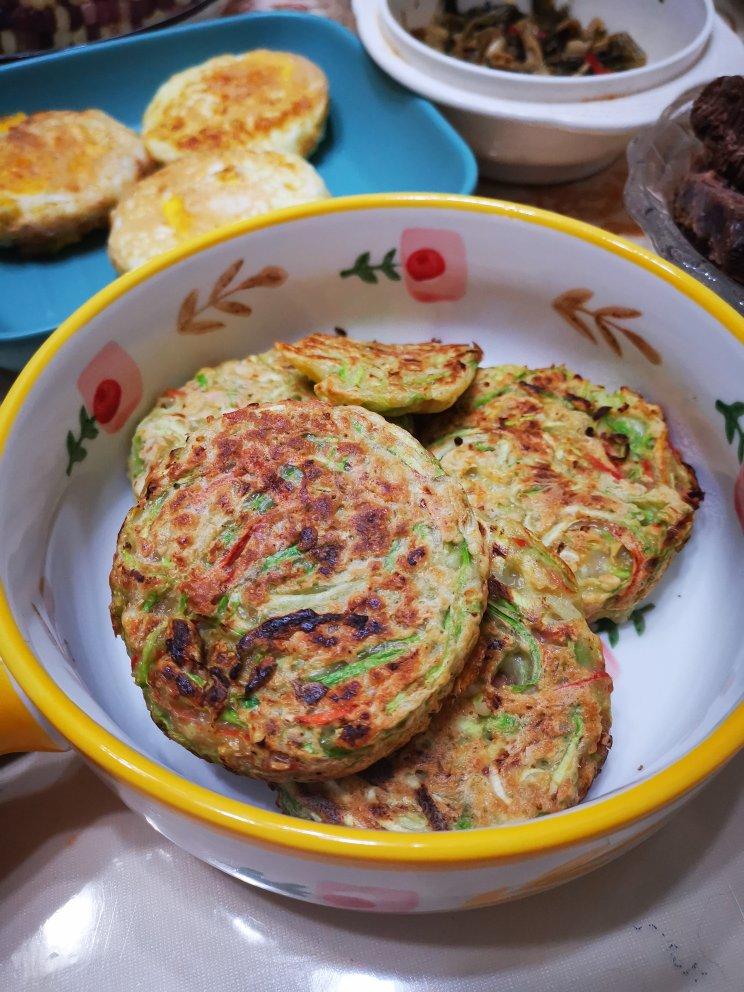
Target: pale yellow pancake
{"points": [[257, 100], [61, 172], [198, 193]]}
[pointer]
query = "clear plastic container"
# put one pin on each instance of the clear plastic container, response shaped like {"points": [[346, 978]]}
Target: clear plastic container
{"points": [[658, 158]]}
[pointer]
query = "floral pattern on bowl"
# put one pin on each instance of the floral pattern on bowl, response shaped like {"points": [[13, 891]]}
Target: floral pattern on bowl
{"points": [[111, 387], [432, 260]]}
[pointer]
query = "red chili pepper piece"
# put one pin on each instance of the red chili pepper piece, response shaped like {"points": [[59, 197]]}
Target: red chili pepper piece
{"points": [[597, 463], [106, 400], [426, 263], [595, 65]]}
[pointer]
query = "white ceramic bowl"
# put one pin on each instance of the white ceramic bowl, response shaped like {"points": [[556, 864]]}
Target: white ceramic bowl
{"points": [[542, 130], [672, 34], [678, 710]]}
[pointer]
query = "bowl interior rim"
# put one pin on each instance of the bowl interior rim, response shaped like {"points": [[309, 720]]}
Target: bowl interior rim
{"points": [[274, 829], [578, 85]]}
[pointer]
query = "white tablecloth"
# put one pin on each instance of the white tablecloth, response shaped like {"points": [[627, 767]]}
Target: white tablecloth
{"points": [[93, 900]]}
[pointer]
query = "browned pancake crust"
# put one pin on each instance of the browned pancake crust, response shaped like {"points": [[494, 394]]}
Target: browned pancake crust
{"points": [[526, 731], [392, 379], [590, 471], [61, 172], [257, 100], [298, 587]]}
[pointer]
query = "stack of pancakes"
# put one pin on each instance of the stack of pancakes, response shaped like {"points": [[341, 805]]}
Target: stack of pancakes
{"points": [[390, 625]]}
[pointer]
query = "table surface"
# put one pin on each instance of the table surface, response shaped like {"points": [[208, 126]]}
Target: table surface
{"points": [[92, 898]]}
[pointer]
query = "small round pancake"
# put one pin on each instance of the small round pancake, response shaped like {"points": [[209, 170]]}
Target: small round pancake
{"points": [[259, 100], [298, 589], [591, 472], [264, 378], [198, 193], [526, 731], [392, 379], [61, 172]]}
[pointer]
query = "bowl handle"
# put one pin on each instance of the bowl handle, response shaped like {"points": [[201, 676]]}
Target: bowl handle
{"points": [[19, 731]]}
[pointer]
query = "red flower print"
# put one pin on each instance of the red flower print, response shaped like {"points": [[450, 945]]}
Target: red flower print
{"points": [[367, 897], [106, 400], [739, 496], [434, 264], [111, 387], [425, 263]]}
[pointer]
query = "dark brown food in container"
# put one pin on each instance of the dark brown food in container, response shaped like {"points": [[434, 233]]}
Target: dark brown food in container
{"points": [[29, 26], [708, 204], [711, 213], [717, 118]]}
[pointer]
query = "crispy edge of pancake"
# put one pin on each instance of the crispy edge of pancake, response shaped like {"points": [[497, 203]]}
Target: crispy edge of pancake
{"points": [[390, 379]]}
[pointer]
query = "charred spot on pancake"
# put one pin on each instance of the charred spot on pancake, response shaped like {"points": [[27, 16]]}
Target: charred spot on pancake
{"points": [[307, 539], [183, 643], [430, 809], [349, 691], [380, 773], [327, 558], [310, 692], [353, 733], [185, 686], [321, 805], [215, 693], [259, 676]]}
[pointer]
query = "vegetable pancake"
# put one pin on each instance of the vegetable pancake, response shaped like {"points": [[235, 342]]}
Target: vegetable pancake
{"points": [[265, 378], [589, 471], [259, 100], [392, 379], [298, 588], [526, 732]]}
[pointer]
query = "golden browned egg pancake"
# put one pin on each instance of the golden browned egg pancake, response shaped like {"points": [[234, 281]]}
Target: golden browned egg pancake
{"points": [[61, 172], [258, 100], [200, 192]]}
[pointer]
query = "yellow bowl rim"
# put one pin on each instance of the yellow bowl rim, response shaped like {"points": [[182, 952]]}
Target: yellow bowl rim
{"points": [[338, 843]]}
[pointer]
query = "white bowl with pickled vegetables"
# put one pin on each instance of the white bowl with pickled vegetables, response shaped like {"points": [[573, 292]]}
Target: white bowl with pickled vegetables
{"points": [[550, 116], [398, 269], [639, 44]]}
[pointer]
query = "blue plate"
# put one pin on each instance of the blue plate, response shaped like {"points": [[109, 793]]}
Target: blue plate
{"points": [[380, 138]]}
